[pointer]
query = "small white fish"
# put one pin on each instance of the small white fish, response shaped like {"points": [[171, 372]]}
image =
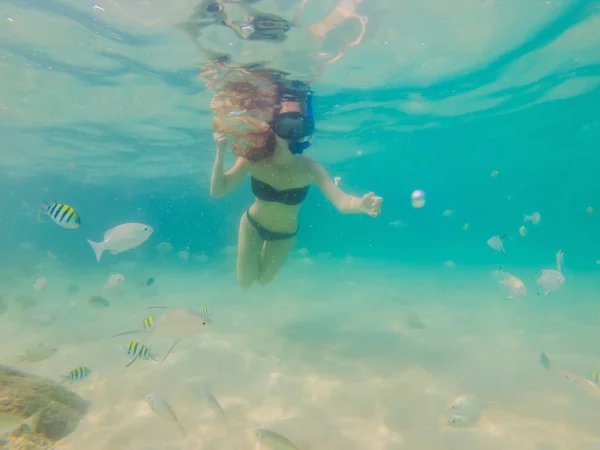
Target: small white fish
{"points": [[523, 231], [336, 180], [462, 402], [209, 399], [98, 7], [122, 238], [559, 260], [303, 251], [397, 224], [162, 408], [458, 420], [450, 264], [447, 213], [274, 441], [496, 243], [184, 255], [164, 247], [549, 281], [515, 288], [534, 218], [41, 284], [114, 283], [589, 387]]}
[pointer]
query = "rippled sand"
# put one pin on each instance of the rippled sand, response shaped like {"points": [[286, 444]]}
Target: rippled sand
{"points": [[336, 355]]}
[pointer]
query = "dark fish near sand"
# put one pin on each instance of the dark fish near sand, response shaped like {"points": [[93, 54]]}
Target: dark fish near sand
{"points": [[150, 281], [98, 302], [545, 361], [73, 289], [36, 354]]}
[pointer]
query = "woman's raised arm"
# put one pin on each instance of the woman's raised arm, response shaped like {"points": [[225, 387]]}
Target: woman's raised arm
{"points": [[221, 182]]}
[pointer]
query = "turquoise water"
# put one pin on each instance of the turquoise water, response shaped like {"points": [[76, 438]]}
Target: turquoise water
{"points": [[374, 326]]}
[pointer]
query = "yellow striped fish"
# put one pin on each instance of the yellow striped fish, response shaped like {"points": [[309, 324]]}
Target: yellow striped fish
{"points": [[77, 374], [134, 349], [596, 378], [148, 322], [61, 214], [205, 311]]}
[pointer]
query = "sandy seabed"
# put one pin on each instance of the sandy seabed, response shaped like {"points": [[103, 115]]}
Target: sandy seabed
{"points": [[335, 355]]}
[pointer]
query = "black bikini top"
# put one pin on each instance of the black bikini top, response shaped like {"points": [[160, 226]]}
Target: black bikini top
{"points": [[268, 193]]}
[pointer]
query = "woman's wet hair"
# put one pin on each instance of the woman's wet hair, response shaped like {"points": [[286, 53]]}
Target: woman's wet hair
{"points": [[244, 104]]}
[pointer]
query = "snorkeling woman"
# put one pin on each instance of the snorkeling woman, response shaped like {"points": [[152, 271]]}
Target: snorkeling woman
{"points": [[271, 150]]}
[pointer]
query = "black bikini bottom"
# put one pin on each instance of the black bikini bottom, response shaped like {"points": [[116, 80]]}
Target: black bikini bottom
{"points": [[268, 235]]}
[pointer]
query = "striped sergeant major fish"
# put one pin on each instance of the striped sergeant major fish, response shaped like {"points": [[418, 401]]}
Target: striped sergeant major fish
{"points": [[135, 349], [77, 374], [61, 214], [148, 322], [205, 311]]}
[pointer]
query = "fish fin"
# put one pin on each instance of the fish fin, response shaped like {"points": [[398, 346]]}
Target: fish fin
{"points": [[33, 420], [157, 307], [169, 351], [129, 332], [133, 360], [98, 249]]}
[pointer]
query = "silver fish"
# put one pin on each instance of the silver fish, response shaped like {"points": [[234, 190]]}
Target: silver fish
{"points": [[273, 440], [161, 407], [211, 401]]}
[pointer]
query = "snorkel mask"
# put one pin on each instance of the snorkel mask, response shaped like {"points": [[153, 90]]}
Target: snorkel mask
{"points": [[295, 126]]}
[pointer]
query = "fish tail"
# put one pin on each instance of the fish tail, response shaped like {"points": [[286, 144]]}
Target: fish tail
{"points": [[33, 420], [98, 249], [181, 429]]}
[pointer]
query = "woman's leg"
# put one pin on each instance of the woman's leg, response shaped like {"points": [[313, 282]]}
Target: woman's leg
{"points": [[273, 257], [250, 245]]}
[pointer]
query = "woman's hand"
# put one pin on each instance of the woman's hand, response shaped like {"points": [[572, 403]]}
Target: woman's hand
{"points": [[220, 141], [371, 204]]}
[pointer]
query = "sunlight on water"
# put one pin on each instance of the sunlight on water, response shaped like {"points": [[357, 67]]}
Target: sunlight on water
{"points": [[463, 314]]}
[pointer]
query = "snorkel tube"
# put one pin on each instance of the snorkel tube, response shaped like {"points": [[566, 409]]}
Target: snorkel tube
{"points": [[298, 146]]}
